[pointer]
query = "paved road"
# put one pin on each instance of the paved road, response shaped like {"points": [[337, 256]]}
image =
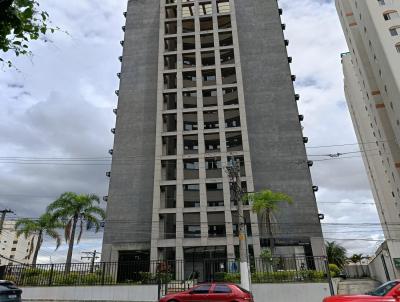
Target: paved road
{"points": [[356, 286]]}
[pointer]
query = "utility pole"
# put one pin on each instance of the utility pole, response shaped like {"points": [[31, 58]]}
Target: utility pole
{"points": [[3, 217], [233, 171], [92, 256]]}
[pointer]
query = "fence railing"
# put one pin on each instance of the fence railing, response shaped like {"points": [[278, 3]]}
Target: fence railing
{"points": [[187, 273]]}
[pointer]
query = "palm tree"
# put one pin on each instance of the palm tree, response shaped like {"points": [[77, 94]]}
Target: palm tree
{"points": [[265, 203], [336, 253], [44, 225], [73, 209], [356, 258]]}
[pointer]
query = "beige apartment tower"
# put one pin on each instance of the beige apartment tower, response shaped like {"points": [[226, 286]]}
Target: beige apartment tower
{"points": [[372, 88]]}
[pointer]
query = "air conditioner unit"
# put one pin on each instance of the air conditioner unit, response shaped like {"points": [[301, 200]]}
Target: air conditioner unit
{"points": [[115, 110], [119, 75], [113, 130], [105, 198], [123, 28], [287, 42], [108, 174], [297, 97], [121, 42], [315, 188], [305, 140], [117, 92], [111, 151], [280, 11], [120, 58], [283, 26], [290, 59], [293, 77], [125, 13], [301, 117], [310, 163]]}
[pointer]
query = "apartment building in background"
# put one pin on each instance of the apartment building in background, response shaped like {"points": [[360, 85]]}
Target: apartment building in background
{"points": [[372, 88], [203, 82], [19, 249]]}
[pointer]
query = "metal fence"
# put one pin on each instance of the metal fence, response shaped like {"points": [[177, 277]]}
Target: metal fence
{"points": [[169, 275]]}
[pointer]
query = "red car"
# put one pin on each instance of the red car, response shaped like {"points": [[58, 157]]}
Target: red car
{"points": [[223, 292], [388, 292]]}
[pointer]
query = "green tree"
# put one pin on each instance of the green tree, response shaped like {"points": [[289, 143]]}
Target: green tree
{"points": [[336, 253], [20, 22], [44, 225], [356, 258], [265, 203], [73, 209]]}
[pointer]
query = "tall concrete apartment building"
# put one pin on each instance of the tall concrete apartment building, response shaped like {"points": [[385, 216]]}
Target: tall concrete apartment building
{"points": [[15, 248], [372, 88], [202, 82]]}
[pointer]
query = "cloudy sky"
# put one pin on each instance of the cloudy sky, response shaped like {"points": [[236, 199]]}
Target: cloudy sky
{"points": [[58, 104]]}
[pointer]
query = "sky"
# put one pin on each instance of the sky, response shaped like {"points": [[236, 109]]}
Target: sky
{"points": [[58, 104]]}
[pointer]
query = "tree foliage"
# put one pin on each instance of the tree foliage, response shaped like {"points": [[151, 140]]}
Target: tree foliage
{"points": [[336, 253], [356, 258], [264, 203], [73, 210], [20, 22], [44, 225]]}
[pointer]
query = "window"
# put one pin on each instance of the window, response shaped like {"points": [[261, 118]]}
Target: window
{"points": [[398, 50], [205, 8], [395, 31], [187, 10], [390, 15], [188, 26], [170, 12], [188, 42], [222, 289], [207, 40], [381, 2], [210, 98], [202, 289], [191, 196], [189, 60], [15, 241], [13, 249], [189, 99], [171, 28], [223, 7], [206, 24]]}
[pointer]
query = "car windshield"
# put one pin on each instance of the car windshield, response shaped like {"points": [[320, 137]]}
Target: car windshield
{"points": [[383, 289]]}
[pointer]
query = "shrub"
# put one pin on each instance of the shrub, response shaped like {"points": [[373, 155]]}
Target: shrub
{"points": [[334, 270]]}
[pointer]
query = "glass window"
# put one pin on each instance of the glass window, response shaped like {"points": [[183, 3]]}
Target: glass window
{"points": [[390, 15], [223, 7], [188, 10], [222, 289], [205, 8], [384, 289], [202, 289], [398, 47]]}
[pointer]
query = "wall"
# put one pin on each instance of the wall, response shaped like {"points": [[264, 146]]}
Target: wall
{"points": [[132, 172], [299, 292], [278, 154], [144, 293], [376, 265], [303, 292]]}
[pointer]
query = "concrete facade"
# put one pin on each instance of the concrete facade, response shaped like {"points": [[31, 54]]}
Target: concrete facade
{"points": [[19, 249], [372, 88], [211, 97]]}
